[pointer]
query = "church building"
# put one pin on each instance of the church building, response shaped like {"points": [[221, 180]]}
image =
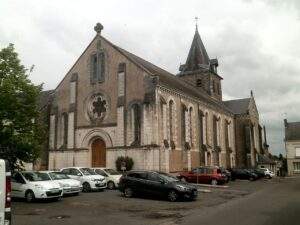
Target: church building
{"points": [[113, 103]]}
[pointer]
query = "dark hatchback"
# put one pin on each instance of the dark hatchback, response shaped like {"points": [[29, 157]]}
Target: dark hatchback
{"points": [[156, 183]]}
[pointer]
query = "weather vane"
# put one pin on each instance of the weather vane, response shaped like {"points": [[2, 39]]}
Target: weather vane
{"points": [[196, 20]]}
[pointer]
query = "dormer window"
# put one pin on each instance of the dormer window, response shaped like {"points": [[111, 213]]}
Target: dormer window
{"points": [[199, 83]]}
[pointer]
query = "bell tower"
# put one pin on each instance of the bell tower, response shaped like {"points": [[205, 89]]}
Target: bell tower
{"points": [[200, 71]]}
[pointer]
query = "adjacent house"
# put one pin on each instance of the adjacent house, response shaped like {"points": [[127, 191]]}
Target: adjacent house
{"points": [[292, 146]]}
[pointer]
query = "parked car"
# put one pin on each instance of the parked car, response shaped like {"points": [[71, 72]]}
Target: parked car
{"points": [[112, 176], [35, 185], [268, 173], [5, 193], [156, 183], [243, 174], [227, 174], [69, 185], [204, 175], [88, 178], [258, 172]]}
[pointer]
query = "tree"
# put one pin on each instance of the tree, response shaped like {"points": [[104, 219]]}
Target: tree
{"points": [[21, 135]]}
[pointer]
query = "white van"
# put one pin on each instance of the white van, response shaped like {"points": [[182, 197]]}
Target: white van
{"points": [[5, 191]]}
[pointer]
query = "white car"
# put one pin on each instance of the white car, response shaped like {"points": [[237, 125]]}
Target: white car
{"points": [[69, 185], [268, 173], [5, 193], [112, 176], [34, 185], [87, 177]]}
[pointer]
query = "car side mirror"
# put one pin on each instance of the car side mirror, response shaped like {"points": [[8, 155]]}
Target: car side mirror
{"points": [[79, 174]]}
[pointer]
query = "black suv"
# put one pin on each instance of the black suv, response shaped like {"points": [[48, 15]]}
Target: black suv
{"points": [[156, 183]]}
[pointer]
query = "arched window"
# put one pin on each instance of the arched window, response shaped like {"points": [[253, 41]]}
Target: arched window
{"points": [[171, 124], [201, 128], [65, 129], [136, 116], [184, 125], [206, 129], [190, 126]]}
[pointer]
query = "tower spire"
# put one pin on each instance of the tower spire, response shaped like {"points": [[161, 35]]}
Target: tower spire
{"points": [[196, 21]]}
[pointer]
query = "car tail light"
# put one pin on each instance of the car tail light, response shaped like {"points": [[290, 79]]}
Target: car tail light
{"points": [[8, 193]]}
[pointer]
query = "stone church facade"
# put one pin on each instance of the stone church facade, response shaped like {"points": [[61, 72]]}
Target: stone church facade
{"points": [[113, 103]]}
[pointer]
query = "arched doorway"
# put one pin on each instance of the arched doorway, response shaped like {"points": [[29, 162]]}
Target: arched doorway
{"points": [[98, 153]]}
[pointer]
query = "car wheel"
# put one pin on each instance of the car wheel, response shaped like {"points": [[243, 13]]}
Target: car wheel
{"points": [[86, 187], [30, 197], [172, 196], [128, 193], [214, 182], [110, 185], [183, 179]]}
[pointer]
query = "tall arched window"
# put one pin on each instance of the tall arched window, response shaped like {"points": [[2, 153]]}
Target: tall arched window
{"points": [[136, 116], [184, 126], [65, 129], [206, 129], [190, 126], [171, 124]]}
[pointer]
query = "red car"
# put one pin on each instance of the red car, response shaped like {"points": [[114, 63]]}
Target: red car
{"points": [[204, 175]]}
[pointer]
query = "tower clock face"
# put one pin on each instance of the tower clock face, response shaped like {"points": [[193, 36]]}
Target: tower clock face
{"points": [[97, 107]]}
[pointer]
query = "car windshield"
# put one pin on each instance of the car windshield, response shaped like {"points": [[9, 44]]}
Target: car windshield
{"points": [[168, 177], [58, 176], [87, 171], [36, 176], [112, 172]]}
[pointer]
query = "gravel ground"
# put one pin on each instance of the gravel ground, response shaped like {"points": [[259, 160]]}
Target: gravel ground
{"points": [[110, 207]]}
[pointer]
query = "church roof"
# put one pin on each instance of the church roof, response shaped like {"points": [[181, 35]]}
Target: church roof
{"points": [[238, 106], [170, 80], [197, 57], [292, 131]]}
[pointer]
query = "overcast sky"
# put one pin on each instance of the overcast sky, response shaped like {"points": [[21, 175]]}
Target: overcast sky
{"points": [[256, 42]]}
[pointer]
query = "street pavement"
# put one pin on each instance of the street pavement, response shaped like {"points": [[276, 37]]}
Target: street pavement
{"points": [[278, 204], [262, 202]]}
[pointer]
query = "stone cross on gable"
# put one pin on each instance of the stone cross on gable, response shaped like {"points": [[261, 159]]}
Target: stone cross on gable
{"points": [[98, 28], [99, 106]]}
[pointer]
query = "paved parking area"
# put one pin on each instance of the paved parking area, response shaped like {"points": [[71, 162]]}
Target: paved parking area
{"points": [[110, 207]]}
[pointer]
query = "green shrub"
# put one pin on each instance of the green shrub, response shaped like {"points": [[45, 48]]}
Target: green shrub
{"points": [[128, 162]]}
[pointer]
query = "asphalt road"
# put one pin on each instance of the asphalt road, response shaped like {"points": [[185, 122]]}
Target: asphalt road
{"points": [[259, 202], [278, 204]]}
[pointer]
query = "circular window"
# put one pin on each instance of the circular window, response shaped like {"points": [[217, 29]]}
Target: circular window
{"points": [[97, 107]]}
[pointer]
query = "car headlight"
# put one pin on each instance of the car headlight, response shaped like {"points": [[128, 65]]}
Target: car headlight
{"points": [[182, 188]]}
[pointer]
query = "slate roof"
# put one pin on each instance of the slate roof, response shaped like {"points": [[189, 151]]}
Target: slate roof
{"points": [[197, 55], [44, 98], [292, 131], [238, 106], [169, 80]]}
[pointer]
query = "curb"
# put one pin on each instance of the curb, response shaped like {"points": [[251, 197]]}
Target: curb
{"points": [[212, 186], [204, 190]]}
